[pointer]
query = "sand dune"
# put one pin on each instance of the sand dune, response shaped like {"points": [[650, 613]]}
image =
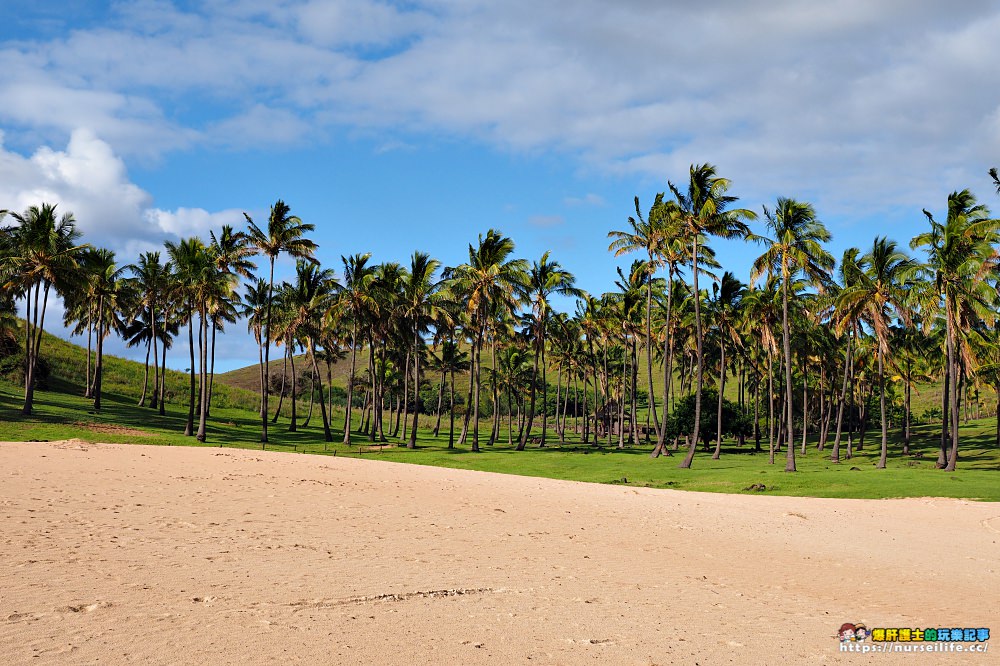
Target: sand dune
{"points": [[139, 554]]}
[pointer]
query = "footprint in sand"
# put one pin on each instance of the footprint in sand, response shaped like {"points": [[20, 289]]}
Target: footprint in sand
{"points": [[84, 608], [992, 524]]}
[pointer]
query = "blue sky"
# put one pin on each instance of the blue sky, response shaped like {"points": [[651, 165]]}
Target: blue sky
{"points": [[401, 126]]}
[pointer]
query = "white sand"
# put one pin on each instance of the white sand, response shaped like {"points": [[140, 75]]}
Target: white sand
{"points": [[138, 554]]}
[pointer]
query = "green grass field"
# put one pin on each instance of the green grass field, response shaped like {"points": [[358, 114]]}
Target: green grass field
{"points": [[62, 413]]}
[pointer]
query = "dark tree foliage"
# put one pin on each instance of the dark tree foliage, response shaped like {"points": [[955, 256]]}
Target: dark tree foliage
{"points": [[734, 421]]}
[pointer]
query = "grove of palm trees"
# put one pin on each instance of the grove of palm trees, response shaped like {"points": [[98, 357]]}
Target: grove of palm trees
{"points": [[798, 354]]}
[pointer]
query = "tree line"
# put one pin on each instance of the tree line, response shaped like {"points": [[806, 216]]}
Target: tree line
{"points": [[812, 343]]}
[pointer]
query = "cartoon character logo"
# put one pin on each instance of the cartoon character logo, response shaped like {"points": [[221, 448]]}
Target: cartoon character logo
{"points": [[846, 633], [861, 632]]}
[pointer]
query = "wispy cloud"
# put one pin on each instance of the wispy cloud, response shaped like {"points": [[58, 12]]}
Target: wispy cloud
{"points": [[840, 95], [546, 220], [589, 199]]}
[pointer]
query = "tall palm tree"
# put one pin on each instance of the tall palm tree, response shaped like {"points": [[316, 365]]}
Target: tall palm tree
{"points": [[878, 296], [231, 252], [703, 210], [149, 279], [192, 266], [545, 278], [960, 255], [309, 298], [354, 302], [488, 283], [419, 306], [655, 234], [727, 295], [285, 233], [794, 248], [761, 308], [845, 320], [254, 309], [40, 254], [110, 290]]}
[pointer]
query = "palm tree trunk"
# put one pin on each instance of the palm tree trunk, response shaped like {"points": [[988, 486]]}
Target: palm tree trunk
{"points": [[955, 389], [558, 400], [531, 406], [649, 356], [686, 463], [36, 347], [350, 384], [621, 403], [312, 394], [203, 362], [906, 410], [189, 424], [156, 370], [770, 407], [722, 388], [495, 430], [412, 444], [163, 377], [87, 392], [945, 418], [405, 408], [467, 419], [29, 346], [145, 375], [211, 371], [99, 364], [805, 406], [756, 412], [327, 435], [634, 385], [881, 400], [267, 358], [786, 342], [475, 414], [545, 392], [281, 393], [451, 410], [440, 401], [835, 454]]}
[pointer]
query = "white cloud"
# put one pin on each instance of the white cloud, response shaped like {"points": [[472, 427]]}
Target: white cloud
{"points": [[589, 199], [546, 220], [185, 222], [841, 94], [90, 181]]}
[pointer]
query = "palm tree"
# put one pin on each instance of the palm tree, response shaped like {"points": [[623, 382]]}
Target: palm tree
{"points": [[702, 211], [231, 252], [655, 234], [40, 254], [845, 320], [285, 233], [110, 289], [795, 247], [761, 313], [149, 279], [727, 295], [878, 296], [192, 265], [960, 255], [544, 279], [420, 303], [310, 297], [254, 310], [489, 283], [354, 302]]}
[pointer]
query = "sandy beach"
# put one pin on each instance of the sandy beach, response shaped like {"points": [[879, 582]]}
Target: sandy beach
{"points": [[139, 554]]}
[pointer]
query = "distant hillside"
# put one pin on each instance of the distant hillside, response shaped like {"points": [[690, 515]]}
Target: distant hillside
{"points": [[67, 363]]}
